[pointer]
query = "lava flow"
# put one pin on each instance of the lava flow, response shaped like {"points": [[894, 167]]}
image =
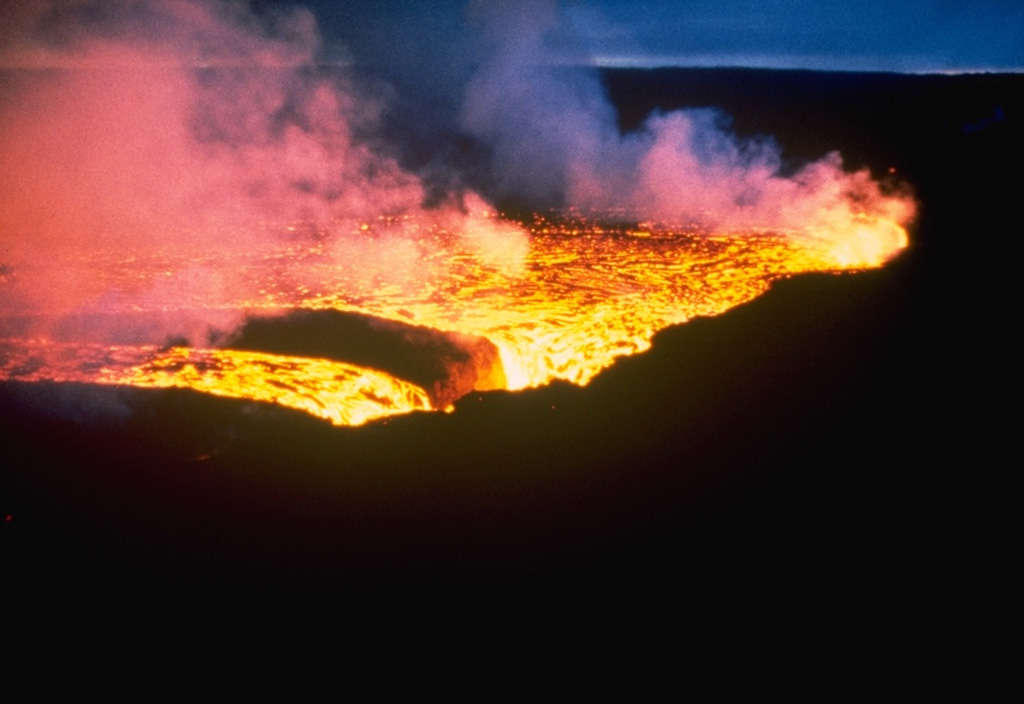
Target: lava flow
{"points": [[174, 172], [583, 293]]}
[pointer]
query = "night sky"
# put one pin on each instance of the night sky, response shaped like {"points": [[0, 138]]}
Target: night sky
{"points": [[914, 36]]}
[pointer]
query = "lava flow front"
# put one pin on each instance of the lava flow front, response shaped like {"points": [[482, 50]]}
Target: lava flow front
{"points": [[584, 292]]}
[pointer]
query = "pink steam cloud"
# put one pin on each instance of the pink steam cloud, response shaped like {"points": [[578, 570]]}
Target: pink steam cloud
{"points": [[199, 125], [188, 126]]}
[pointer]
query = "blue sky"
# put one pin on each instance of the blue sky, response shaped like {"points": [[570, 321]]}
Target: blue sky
{"points": [[867, 35], [908, 35]]}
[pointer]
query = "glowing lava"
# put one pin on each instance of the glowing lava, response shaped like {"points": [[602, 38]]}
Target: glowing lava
{"points": [[584, 293], [341, 393]]}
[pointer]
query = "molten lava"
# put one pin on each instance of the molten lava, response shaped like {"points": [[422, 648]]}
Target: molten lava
{"points": [[341, 393], [583, 293]]}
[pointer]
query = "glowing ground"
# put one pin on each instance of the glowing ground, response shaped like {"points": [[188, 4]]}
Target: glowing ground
{"points": [[584, 293]]}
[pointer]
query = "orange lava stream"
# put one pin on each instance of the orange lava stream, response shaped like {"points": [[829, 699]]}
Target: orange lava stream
{"points": [[585, 294], [578, 295], [341, 393]]}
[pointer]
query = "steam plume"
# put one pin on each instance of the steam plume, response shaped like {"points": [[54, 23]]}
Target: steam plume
{"points": [[148, 127], [161, 125], [553, 135]]}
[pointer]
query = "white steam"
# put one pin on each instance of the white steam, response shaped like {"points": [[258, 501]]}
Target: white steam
{"points": [[553, 135]]}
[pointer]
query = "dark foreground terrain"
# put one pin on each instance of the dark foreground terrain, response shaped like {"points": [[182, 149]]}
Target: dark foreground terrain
{"points": [[794, 452]]}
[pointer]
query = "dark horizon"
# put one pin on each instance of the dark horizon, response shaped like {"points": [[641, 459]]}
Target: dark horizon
{"points": [[920, 36]]}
